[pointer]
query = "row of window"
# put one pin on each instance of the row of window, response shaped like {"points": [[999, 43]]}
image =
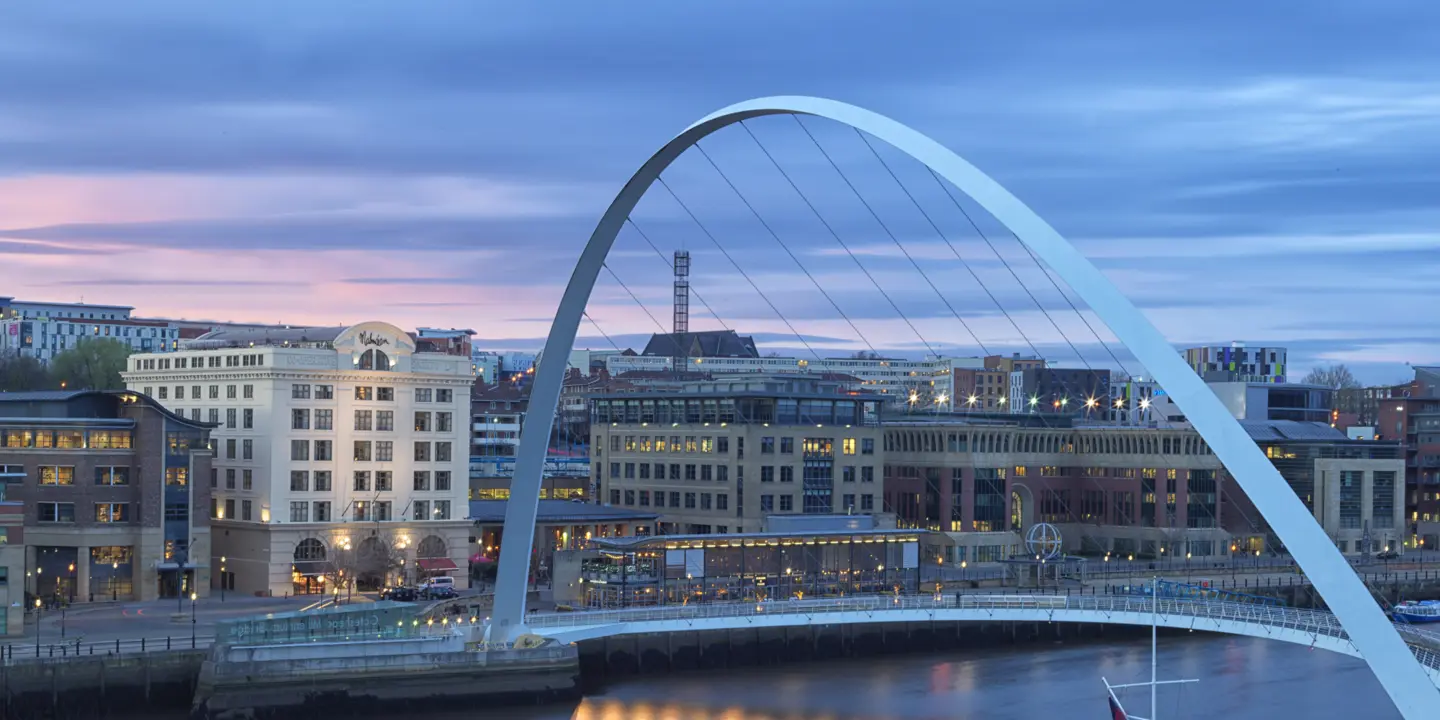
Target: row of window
{"points": [[721, 445], [384, 480], [106, 513], [384, 451], [66, 439], [376, 511], [387, 394], [214, 361], [381, 420], [642, 498]]}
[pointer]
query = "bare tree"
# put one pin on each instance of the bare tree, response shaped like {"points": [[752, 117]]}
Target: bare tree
{"points": [[1335, 377], [865, 355]]}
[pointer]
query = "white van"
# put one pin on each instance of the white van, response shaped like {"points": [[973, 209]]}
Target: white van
{"points": [[441, 581]]}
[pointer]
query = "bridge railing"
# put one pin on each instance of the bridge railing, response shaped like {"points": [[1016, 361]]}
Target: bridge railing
{"points": [[1425, 644]]}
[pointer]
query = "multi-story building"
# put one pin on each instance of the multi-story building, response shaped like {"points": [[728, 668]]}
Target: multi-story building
{"points": [[1237, 363], [497, 413], [1275, 401], [43, 330], [980, 389], [1083, 393], [718, 457], [339, 452], [114, 494], [1361, 406], [1142, 491], [1132, 401], [1411, 416]]}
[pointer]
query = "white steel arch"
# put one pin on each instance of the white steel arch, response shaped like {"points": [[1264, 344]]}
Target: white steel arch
{"points": [[1377, 641]]}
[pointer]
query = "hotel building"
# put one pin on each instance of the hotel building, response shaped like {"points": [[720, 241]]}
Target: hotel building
{"points": [[341, 454]]}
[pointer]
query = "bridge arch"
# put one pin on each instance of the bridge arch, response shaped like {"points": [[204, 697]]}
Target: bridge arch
{"points": [[1369, 630]]}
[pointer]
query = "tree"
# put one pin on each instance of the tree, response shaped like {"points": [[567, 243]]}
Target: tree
{"points": [[18, 373], [91, 365], [865, 355], [1335, 377]]}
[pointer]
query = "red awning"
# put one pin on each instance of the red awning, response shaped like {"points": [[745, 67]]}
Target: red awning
{"points": [[436, 564]]}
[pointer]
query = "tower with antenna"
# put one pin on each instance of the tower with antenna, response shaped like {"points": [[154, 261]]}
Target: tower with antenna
{"points": [[680, 325]]}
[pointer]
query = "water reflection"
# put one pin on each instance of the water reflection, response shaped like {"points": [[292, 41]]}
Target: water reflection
{"points": [[1241, 679]]}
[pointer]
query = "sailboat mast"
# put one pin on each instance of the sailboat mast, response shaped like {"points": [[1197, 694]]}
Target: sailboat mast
{"points": [[1154, 644]]}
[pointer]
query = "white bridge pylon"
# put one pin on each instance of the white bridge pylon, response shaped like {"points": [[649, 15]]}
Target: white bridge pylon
{"points": [[1371, 633]]}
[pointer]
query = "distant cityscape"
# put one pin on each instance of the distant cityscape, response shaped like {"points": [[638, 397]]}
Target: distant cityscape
{"points": [[293, 454]]}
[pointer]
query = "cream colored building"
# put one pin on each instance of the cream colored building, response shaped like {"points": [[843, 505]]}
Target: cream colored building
{"points": [[341, 455], [719, 457]]}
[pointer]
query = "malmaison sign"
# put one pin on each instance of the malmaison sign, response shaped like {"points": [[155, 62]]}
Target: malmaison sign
{"points": [[369, 338]]}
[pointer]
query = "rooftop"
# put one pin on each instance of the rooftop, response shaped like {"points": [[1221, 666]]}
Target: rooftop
{"points": [[247, 336], [554, 512], [1279, 430], [707, 343]]}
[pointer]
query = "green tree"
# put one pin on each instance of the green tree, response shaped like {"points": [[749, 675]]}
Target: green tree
{"points": [[19, 373], [91, 365]]}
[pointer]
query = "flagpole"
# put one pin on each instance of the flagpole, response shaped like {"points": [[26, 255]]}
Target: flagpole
{"points": [[1154, 645]]}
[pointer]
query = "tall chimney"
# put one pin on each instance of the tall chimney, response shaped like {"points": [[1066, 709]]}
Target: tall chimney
{"points": [[681, 320]]}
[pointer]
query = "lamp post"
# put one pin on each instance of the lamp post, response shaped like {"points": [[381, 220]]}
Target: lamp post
{"points": [[38, 613], [114, 571], [72, 582], [223, 579], [193, 596]]}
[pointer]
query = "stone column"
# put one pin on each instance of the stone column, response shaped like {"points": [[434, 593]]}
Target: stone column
{"points": [[82, 574]]}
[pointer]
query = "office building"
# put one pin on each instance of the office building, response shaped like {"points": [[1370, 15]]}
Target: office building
{"points": [[341, 454], [115, 502], [1272, 401], [1411, 416], [720, 456], [42, 330], [1082, 393]]}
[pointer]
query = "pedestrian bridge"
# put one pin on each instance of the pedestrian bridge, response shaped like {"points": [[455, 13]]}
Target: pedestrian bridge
{"points": [[1313, 628]]}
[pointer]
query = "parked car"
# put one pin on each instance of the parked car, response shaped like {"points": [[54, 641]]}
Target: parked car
{"points": [[1387, 555], [401, 594], [441, 592]]}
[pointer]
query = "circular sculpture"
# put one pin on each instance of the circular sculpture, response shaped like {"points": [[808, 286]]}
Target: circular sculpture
{"points": [[1044, 541]]}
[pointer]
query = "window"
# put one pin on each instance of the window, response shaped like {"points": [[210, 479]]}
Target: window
{"points": [[767, 473], [382, 510], [659, 498], [57, 475], [867, 502], [787, 473], [230, 448], [867, 446], [689, 501], [247, 480], [629, 497], [722, 445], [767, 446], [847, 446], [614, 497], [384, 481], [324, 392], [229, 478], [422, 452], [245, 505], [322, 511], [847, 474], [364, 419], [247, 418], [214, 392], [177, 477], [230, 418], [247, 449], [421, 510], [324, 419], [362, 481], [674, 499], [644, 498], [230, 508], [299, 480], [422, 479], [867, 474], [111, 475], [385, 420], [787, 446], [442, 452], [300, 511], [359, 513], [299, 419], [300, 392], [385, 394], [322, 481], [230, 392], [179, 392], [767, 503], [164, 393], [444, 395], [324, 450], [300, 450], [56, 512], [114, 512], [362, 451], [249, 394], [423, 394], [787, 503], [384, 450], [443, 421], [422, 422], [722, 501], [847, 502], [363, 392], [442, 480]]}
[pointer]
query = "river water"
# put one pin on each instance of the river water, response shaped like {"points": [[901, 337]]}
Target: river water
{"points": [[1240, 679]]}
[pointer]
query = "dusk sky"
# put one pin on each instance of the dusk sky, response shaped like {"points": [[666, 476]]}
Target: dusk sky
{"points": [[1263, 172]]}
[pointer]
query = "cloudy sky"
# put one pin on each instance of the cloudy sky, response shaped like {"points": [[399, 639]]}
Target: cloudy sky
{"points": [[1263, 172]]}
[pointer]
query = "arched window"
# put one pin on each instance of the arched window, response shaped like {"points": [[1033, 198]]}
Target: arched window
{"points": [[431, 547], [309, 549], [374, 360]]}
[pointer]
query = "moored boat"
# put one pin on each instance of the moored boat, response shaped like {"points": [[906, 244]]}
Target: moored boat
{"points": [[1424, 611]]}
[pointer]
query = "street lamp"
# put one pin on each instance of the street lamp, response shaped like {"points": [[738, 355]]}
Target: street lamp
{"points": [[193, 596], [114, 571], [72, 582], [222, 578], [38, 613]]}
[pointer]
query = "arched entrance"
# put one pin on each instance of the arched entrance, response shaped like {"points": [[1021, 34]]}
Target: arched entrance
{"points": [[1022, 508], [432, 558], [372, 564], [309, 566]]}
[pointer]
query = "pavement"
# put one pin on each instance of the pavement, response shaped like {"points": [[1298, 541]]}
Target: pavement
{"points": [[154, 620]]}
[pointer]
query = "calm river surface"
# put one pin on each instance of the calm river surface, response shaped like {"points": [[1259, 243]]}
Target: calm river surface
{"points": [[1241, 679]]}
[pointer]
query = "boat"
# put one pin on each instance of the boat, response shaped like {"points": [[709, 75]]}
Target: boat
{"points": [[1410, 611], [1117, 711]]}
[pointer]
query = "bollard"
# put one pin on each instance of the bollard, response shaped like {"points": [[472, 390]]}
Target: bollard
{"points": [[117, 646]]}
